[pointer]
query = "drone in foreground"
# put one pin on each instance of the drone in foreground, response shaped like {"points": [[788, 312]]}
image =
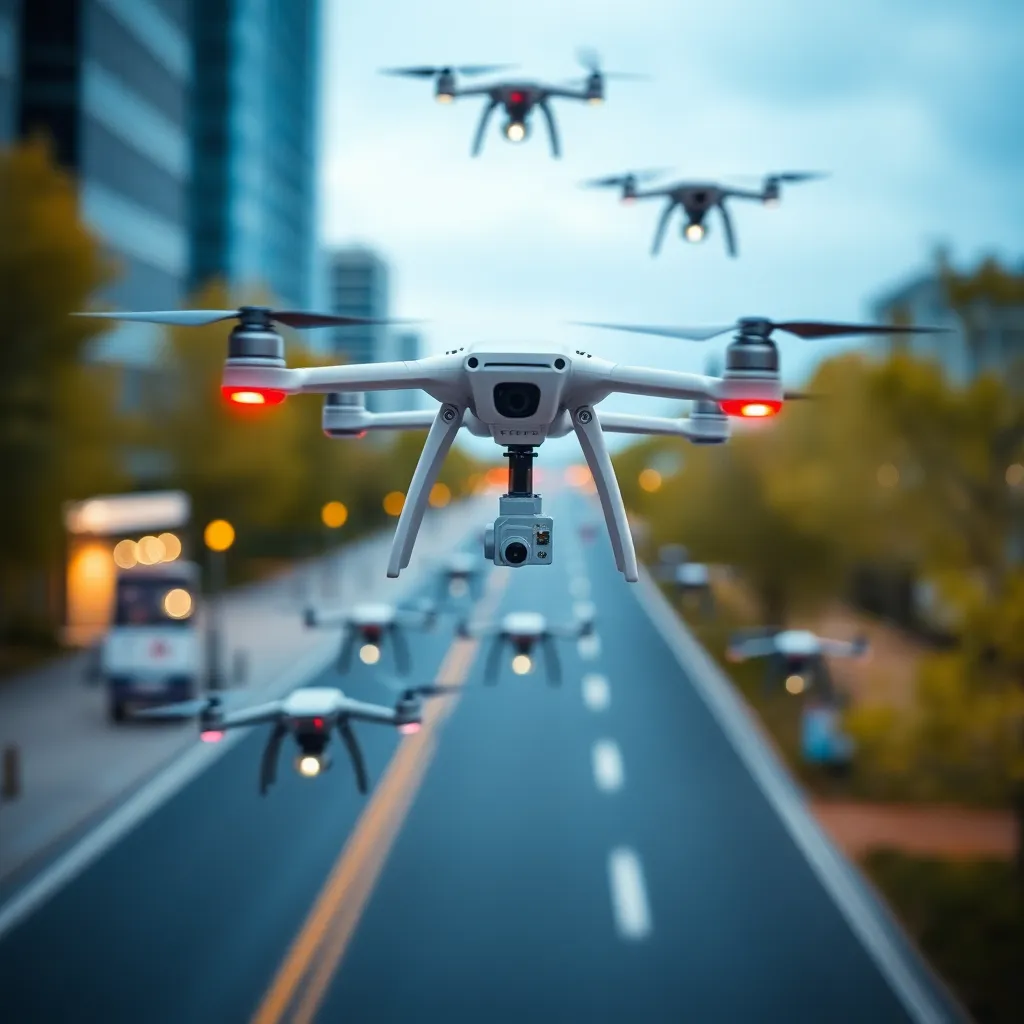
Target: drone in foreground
{"points": [[369, 625], [523, 632], [519, 395], [517, 97], [461, 574], [795, 657], [696, 199], [310, 715]]}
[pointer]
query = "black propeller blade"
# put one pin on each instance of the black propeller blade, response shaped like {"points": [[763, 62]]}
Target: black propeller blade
{"points": [[412, 693], [298, 319], [633, 178], [429, 70], [762, 328], [591, 61], [794, 176]]}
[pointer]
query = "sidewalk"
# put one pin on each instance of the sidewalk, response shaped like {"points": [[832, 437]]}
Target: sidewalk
{"points": [[75, 763]]}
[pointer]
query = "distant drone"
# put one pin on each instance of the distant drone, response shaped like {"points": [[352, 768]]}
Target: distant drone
{"points": [[370, 625], [690, 579], [461, 574], [519, 395], [696, 199], [309, 714], [795, 656], [517, 97], [523, 632]]}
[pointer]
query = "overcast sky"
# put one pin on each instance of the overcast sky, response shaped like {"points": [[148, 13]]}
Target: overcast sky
{"points": [[914, 106]]}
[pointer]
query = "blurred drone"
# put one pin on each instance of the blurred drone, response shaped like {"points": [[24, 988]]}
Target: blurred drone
{"points": [[309, 714], [461, 574], [795, 656], [695, 199], [690, 579], [519, 98], [518, 395], [523, 632], [369, 625]]}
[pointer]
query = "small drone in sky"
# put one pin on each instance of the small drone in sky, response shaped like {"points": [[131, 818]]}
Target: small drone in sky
{"points": [[308, 714], [519, 395], [696, 199], [370, 625], [461, 574], [523, 632], [517, 97], [794, 655]]}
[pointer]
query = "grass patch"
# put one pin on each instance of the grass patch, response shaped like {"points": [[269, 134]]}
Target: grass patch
{"points": [[968, 919]]}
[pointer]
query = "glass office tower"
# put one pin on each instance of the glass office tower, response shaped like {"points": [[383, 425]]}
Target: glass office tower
{"points": [[254, 145], [9, 30]]}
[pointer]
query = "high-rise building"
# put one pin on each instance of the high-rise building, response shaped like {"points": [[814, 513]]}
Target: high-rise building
{"points": [[108, 81], [984, 334], [359, 285], [407, 345], [255, 145], [10, 11]]}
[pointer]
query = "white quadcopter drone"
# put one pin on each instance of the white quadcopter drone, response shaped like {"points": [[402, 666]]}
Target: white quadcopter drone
{"points": [[793, 655], [523, 632], [309, 714], [517, 395], [461, 575], [372, 624]]}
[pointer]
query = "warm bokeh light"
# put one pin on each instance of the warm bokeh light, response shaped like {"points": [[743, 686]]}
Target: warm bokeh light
{"points": [[369, 654], [1015, 475], [309, 766], [444, 97], [650, 480], [219, 535], [578, 476], [888, 475], [178, 603], [521, 664], [394, 503], [409, 728], [694, 232], [150, 551], [172, 546], [126, 554], [334, 515], [497, 476], [440, 495], [795, 684]]}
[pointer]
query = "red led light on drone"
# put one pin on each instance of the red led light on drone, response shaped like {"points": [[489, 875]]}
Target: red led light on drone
{"points": [[517, 97], [751, 409], [253, 395], [409, 728], [211, 736]]}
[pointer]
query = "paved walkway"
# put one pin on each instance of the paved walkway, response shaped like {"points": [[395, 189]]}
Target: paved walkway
{"points": [[75, 763]]}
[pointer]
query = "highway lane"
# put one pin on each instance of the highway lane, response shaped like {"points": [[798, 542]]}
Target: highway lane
{"points": [[187, 918], [585, 852]]}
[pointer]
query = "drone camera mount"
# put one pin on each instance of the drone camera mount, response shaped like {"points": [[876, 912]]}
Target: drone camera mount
{"points": [[520, 535]]}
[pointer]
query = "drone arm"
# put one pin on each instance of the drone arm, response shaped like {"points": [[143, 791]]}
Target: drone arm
{"points": [[591, 437], [445, 426], [348, 737], [659, 233], [268, 763], [757, 647], [623, 423], [549, 118], [359, 711], [478, 139], [330, 617], [429, 374], [255, 715], [730, 235], [412, 419], [656, 383], [842, 648]]}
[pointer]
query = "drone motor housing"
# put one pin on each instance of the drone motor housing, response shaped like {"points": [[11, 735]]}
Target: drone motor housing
{"points": [[344, 415]]}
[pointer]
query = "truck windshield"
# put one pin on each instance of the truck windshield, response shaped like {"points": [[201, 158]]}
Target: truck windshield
{"points": [[153, 602]]}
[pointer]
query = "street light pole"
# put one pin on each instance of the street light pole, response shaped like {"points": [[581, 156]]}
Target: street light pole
{"points": [[219, 535], [333, 515]]}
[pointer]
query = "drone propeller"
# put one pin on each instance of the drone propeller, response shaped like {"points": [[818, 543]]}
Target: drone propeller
{"points": [[794, 176], [631, 178], [201, 317], [762, 328], [429, 71], [411, 693], [591, 61]]}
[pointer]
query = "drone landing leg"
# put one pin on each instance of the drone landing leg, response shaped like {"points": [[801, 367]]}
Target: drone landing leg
{"points": [[549, 117], [348, 737], [478, 139], [442, 433], [659, 233], [268, 765], [730, 237], [591, 437]]}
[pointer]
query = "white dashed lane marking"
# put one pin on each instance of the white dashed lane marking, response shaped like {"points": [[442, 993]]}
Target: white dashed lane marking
{"points": [[589, 647], [629, 895], [597, 694], [607, 762]]}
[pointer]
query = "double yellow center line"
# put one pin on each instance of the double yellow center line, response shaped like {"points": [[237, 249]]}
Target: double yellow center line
{"points": [[317, 950]]}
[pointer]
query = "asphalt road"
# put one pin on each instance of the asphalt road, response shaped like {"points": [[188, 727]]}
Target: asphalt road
{"points": [[595, 851]]}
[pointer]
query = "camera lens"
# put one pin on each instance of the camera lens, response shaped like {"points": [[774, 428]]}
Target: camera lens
{"points": [[516, 401], [515, 553]]}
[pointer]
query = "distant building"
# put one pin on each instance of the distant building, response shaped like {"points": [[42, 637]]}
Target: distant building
{"points": [[986, 333], [254, 145], [10, 11], [108, 81], [406, 346]]}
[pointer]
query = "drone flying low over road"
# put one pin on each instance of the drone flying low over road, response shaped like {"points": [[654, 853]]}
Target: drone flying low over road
{"points": [[696, 199], [517, 97], [461, 574], [519, 395], [309, 715], [793, 654], [369, 625], [523, 632]]}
